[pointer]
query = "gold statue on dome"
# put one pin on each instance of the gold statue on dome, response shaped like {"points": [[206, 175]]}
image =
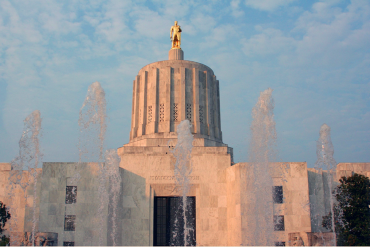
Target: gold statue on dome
{"points": [[176, 36]]}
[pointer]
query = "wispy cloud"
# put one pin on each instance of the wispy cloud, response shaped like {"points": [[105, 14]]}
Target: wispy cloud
{"points": [[267, 5], [236, 8], [268, 41]]}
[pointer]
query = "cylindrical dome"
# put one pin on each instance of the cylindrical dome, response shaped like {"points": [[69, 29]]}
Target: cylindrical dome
{"points": [[167, 92]]}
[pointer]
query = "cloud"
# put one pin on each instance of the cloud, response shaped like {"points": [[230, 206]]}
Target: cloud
{"points": [[269, 41], [325, 36], [218, 36], [203, 22], [13, 31], [112, 25], [55, 21], [175, 10], [333, 37], [267, 5], [150, 23], [235, 8]]}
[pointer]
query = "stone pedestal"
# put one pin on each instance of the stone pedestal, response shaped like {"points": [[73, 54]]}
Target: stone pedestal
{"points": [[175, 54]]}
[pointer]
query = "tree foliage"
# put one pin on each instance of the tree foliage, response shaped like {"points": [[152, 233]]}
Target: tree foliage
{"points": [[4, 217], [352, 211]]}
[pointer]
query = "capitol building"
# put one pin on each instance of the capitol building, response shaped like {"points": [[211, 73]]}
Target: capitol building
{"points": [[164, 94]]}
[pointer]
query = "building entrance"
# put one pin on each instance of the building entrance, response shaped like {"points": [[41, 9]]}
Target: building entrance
{"points": [[169, 221]]}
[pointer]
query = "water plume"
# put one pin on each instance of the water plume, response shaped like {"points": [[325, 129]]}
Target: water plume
{"points": [[29, 158], [258, 218], [326, 161], [92, 122], [112, 166], [183, 169]]}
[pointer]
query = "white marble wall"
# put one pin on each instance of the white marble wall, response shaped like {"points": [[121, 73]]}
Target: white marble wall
{"points": [[208, 183], [147, 172], [20, 198], [53, 208], [295, 207], [348, 169]]}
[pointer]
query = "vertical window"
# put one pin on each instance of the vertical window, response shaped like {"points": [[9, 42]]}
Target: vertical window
{"points": [[279, 223], [68, 243], [277, 194], [71, 194], [69, 222], [279, 243]]}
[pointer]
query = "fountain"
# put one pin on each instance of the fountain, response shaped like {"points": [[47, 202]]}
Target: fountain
{"points": [[92, 122], [112, 166], [258, 211], [325, 161], [29, 158], [183, 169]]}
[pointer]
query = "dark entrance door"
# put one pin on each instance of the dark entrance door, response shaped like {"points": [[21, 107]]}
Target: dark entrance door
{"points": [[169, 221]]}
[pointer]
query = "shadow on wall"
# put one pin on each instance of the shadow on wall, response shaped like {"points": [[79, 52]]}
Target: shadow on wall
{"points": [[319, 198], [134, 227]]}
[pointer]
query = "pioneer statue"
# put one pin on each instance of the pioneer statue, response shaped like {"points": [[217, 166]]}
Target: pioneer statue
{"points": [[176, 36]]}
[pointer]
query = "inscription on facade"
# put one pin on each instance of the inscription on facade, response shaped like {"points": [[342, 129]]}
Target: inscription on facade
{"points": [[192, 178]]}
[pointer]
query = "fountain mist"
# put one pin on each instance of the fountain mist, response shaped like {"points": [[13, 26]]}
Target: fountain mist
{"points": [[92, 124], [29, 158], [92, 120], [112, 164], [183, 169], [259, 227], [325, 160]]}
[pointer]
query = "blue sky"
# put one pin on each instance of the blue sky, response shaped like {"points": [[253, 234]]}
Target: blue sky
{"points": [[315, 55]]}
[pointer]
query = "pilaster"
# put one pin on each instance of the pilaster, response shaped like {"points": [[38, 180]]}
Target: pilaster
{"points": [[196, 123], [182, 94]]}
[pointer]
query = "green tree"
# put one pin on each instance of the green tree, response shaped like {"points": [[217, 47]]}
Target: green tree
{"points": [[4, 217], [351, 212]]}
